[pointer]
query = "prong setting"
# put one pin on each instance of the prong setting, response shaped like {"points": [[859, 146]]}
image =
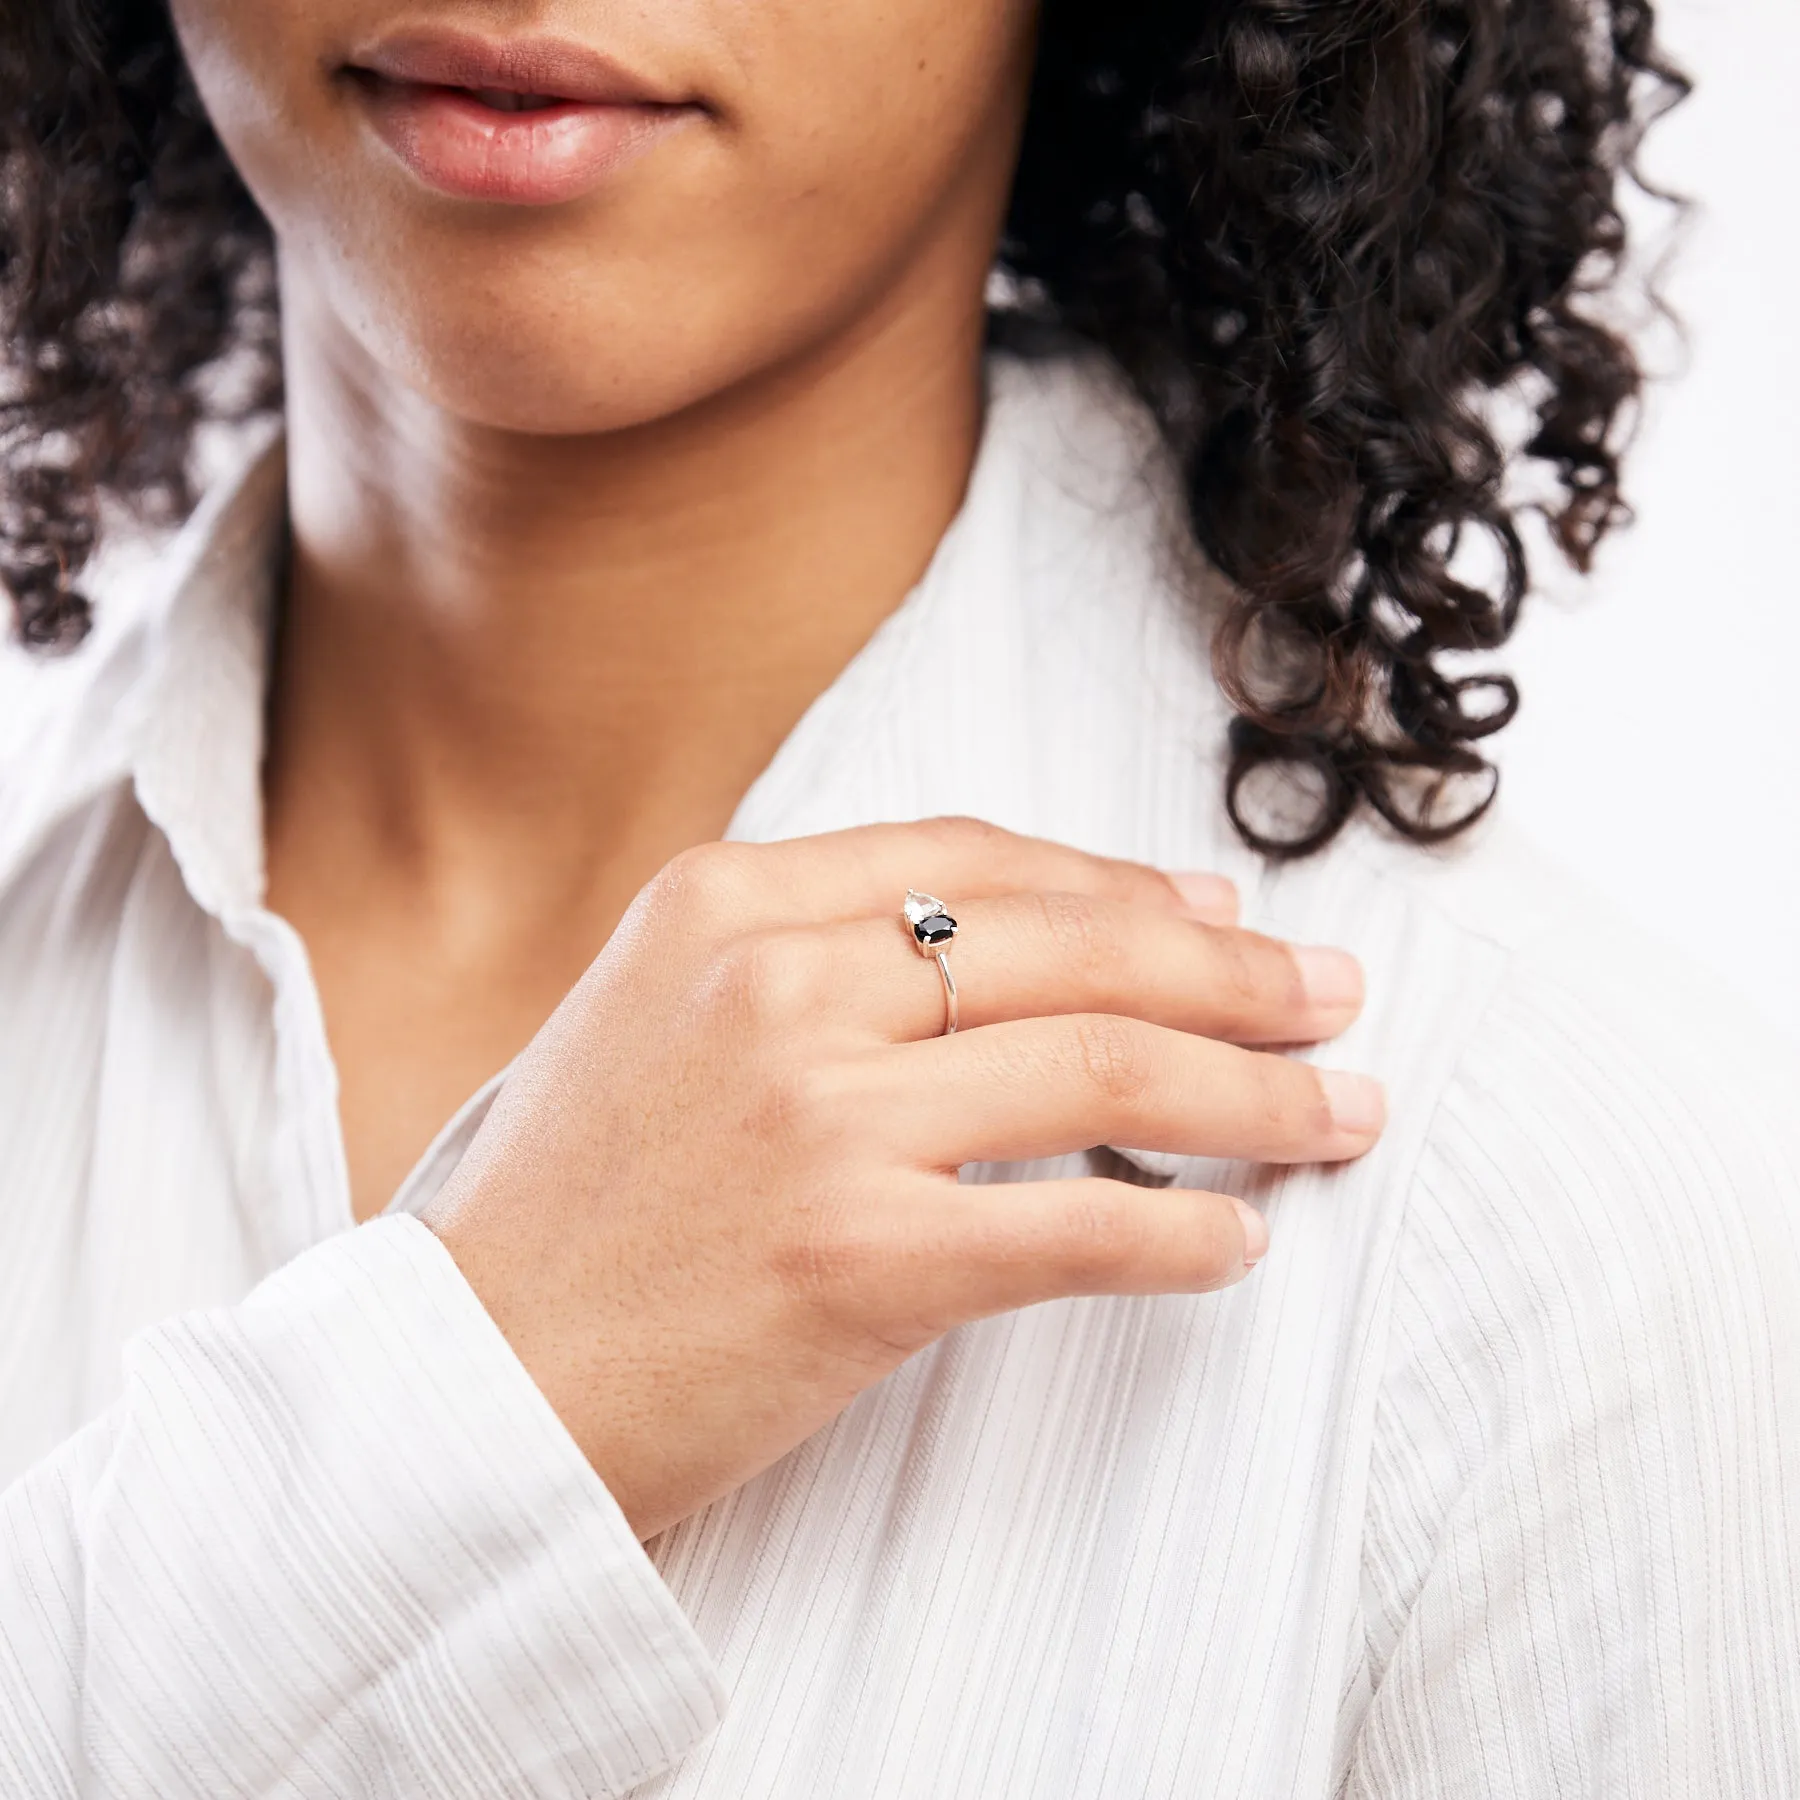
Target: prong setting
{"points": [[930, 920], [932, 929]]}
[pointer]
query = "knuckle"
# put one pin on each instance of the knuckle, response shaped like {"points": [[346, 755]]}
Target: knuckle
{"points": [[1112, 1058], [1098, 1238], [821, 1257], [1137, 884], [963, 832], [1075, 933], [1241, 977], [703, 883], [802, 1105], [1289, 1101], [834, 1264], [765, 979], [1313, 1104]]}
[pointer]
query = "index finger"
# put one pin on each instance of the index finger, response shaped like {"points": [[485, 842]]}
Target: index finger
{"points": [[865, 871]]}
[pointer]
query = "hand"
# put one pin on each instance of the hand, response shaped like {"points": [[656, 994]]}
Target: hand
{"points": [[718, 1196]]}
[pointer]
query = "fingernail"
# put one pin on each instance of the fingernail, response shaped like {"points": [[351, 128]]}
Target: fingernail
{"points": [[1358, 1102], [1256, 1232], [1209, 897], [1333, 979]]}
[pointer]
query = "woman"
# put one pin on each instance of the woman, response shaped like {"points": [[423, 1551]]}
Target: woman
{"points": [[676, 1421]]}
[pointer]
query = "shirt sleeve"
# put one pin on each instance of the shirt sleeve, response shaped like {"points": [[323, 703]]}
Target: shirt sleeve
{"points": [[1583, 1530], [334, 1542]]}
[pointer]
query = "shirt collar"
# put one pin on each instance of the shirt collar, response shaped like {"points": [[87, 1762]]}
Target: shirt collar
{"points": [[197, 759]]}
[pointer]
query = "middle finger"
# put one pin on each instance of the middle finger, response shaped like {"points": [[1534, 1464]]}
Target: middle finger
{"points": [[1046, 1087]]}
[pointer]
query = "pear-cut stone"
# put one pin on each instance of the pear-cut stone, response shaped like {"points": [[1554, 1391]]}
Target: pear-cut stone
{"points": [[920, 907]]}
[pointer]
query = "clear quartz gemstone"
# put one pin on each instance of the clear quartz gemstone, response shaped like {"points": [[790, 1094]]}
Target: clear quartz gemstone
{"points": [[920, 907]]}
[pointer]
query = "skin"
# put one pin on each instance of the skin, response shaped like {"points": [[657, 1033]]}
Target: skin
{"points": [[589, 501]]}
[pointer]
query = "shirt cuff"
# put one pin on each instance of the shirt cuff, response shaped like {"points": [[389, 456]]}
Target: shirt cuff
{"points": [[453, 1595]]}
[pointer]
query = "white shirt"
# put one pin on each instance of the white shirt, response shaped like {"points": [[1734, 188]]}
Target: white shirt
{"points": [[1487, 1482]]}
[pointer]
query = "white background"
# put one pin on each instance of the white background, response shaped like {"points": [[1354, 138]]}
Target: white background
{"points": [[1658, 750]]}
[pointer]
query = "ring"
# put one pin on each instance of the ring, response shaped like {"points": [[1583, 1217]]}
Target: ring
{"points": [[932, 928]]}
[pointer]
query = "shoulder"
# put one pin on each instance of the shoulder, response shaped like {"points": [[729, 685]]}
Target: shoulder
{"points": [[1586, 1447], [1600, 1211], [1595, 1173], [1537, 992], [1610, 1175], [1585, 1099]]}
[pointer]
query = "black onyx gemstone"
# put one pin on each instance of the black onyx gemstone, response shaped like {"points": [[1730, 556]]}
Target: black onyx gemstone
{"points": [[940, 928]]}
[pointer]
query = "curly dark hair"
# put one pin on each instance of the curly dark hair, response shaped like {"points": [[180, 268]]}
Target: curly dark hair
{"points": [[1320, 237]]}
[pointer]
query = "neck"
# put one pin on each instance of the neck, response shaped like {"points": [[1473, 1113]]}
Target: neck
{"points": [[548, 664]]}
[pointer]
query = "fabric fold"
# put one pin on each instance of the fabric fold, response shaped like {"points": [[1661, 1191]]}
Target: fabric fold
{"points": [[333, 1541]]}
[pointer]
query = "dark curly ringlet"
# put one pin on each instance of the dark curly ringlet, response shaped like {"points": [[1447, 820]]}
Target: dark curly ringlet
{"points": [[1318, 235], [132, 265]]}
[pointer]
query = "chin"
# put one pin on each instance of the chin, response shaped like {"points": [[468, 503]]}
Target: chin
{"points": [[550, 346], [558, 358], [546, 394]]}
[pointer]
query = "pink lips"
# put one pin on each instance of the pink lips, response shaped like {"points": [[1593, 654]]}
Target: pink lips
{"points": [[527, 122]]}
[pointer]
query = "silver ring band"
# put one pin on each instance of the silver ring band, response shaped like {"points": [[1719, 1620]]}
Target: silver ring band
{"points": [[932, 928]]}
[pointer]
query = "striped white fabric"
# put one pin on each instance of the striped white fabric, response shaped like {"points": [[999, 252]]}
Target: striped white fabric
{"points": [[1486, 1483]]}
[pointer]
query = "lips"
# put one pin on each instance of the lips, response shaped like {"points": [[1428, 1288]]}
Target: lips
{"points": [[522, 122]]}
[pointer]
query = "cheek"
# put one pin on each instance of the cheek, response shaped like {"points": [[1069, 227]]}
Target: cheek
{"points": [[844, 135], [876, 103], [259, 74], [859, 131]]}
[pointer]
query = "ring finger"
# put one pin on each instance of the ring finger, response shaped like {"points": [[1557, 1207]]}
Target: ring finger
{"points": [[1022, 956]]}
